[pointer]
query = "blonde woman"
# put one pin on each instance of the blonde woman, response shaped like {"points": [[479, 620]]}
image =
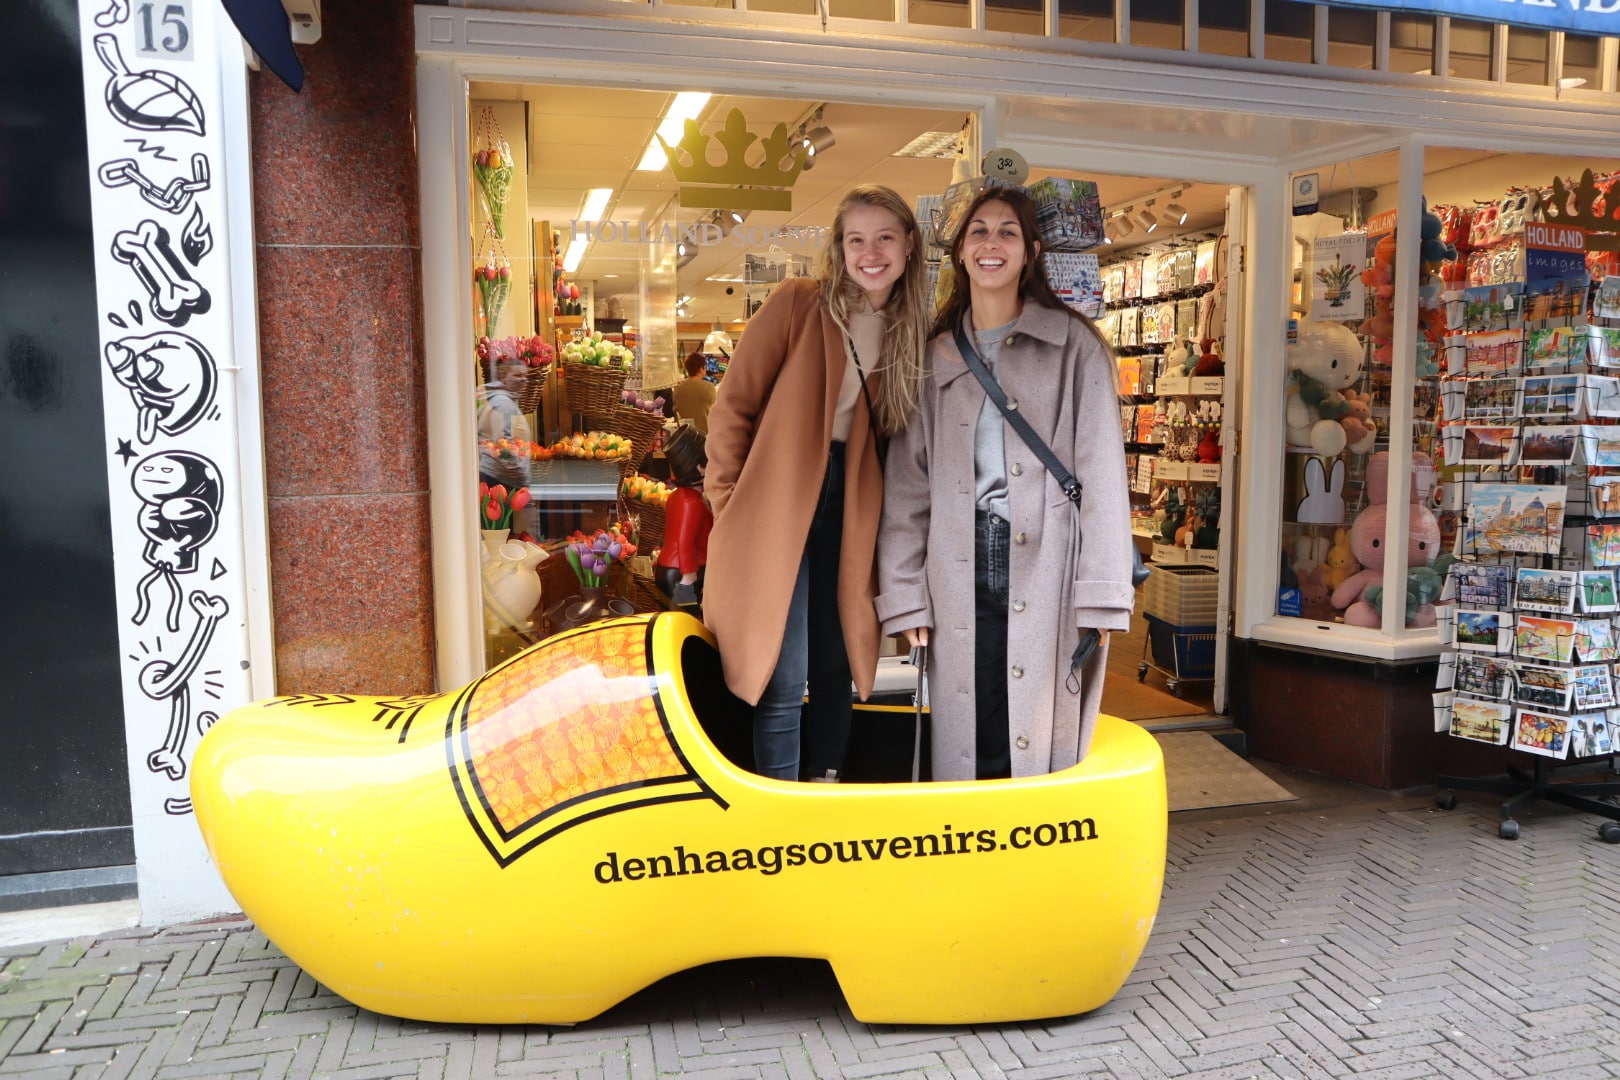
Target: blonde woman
{"points": [[826, 368]]}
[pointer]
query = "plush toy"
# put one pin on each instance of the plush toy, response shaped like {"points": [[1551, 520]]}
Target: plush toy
{"points": [[1209, 447], [1180, 357], [1423, 586], [1210, 363], [1339, 563], [1188, 530], [1207, 527], [1315, 600], [1310, 551], [1325, 358], [1367, 541], [1171, 515]]}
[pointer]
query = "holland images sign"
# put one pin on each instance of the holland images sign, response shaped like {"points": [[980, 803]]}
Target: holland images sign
{"points": [[1599, 17]]}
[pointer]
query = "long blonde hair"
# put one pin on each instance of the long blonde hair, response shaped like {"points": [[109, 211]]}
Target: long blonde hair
{"points": [[905, 322]]}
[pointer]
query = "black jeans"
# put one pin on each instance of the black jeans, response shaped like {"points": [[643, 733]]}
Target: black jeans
{"points": [[991, 536], [790, 744]]}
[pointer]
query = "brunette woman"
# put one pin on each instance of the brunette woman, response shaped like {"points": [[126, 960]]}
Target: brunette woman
{"points": [[826, 367], [964, 490]]}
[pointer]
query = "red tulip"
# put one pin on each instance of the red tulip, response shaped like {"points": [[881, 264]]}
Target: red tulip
{"points": [[498, 493], [492, 510], [483, 491], [520, 498]]}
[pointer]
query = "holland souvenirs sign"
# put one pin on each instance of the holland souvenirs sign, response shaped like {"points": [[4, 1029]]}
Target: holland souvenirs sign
{"points": [[1601, 17], [153, 103]]}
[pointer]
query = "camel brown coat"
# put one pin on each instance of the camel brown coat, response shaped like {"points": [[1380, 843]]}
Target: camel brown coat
{"points": [[1062, 377], [769, 434]]}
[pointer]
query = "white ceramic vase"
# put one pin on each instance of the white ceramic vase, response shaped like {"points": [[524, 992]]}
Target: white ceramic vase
{"points": [[511, 584]]}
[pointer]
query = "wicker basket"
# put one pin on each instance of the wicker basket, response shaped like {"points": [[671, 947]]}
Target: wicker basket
{"points": [[593, 391], [641, 428], [644, 595], [651, 530], [529, 400]]}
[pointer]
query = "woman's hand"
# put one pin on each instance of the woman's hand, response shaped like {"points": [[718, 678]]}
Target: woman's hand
{"points": [[916, 636]]}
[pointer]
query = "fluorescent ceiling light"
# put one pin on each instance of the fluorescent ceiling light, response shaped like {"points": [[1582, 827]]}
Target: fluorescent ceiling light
{"points": [[931, 144], [596, 202], [686, 106]]}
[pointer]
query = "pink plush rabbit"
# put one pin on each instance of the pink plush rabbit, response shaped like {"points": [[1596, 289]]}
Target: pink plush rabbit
{"points": [[1367, 540]]}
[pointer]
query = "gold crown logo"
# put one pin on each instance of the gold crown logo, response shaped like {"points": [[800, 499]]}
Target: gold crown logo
{"points": [[1577, 207], [735, 185]]}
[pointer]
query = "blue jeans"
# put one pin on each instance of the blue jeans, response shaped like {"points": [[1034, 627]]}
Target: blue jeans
{"points": [[990, 563], [791, 738]]}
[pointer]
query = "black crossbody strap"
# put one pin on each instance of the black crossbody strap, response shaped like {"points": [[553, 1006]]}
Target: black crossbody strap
{"points": [[1066, 479]]}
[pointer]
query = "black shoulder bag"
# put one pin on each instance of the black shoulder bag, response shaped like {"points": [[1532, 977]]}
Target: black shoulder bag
{"points": [[1065, 478]]}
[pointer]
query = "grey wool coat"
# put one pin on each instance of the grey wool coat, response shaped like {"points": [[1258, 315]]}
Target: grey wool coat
{"points": [[1062, 377]]}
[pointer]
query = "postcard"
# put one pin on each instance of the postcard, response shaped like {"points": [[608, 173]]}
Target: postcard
{"points": [[1481, 675], [1603, 345], [1550, 444], [1545, 590], [1594, 641], [1589, 735], [1481, 444], [1539, 733], [1549, 640], [1552, 397], [1594, 689], [1606, 304], [1485, 631], [1487, 307], [1555, 272], [1603, 395], [1490, 398], [1543, 687], [1603, 496], [1554, 346], [1481, 584], [1526, 518], [1445, 624], [1494, 352], [1481, 721], [1597, 590], [1601, 444], [1603, 545]]}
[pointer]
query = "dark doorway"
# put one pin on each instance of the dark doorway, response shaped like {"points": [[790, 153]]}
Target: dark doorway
{"points": [[65, 831]]}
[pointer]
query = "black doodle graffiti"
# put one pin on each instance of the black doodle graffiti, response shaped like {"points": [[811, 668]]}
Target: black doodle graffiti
{"points": [[180, 495], [170, 376], [144, 147], [125, 451], [174, 295], [172, 197], [114, 14], [165, 680], [198, 239], [151, 100]]}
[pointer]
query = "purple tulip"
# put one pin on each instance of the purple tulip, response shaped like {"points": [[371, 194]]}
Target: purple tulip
{"points": [[615, 550], [599, 567]]}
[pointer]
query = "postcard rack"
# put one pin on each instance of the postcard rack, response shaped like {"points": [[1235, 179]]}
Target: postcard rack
{"points": [[1531, 418]]}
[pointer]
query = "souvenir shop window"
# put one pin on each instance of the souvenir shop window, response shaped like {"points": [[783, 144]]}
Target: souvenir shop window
{"points": [[1581, 58], [1411, 44], [784, 7], [1158, 24], [1528, 55], [1013, 17], [937, 13], [1086, 20], [1290, 30], [1223, 29], [1351, 35], [1470, 49]]}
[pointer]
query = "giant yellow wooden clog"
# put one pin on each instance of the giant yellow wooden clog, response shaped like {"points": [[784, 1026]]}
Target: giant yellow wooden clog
{"points": [[567, 829]]}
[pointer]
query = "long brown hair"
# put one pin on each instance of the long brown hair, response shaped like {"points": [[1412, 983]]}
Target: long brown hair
{"points": [[1032, 283], [905, 316]]}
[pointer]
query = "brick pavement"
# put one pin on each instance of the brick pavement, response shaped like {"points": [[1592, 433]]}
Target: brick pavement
{"points": [[1381, 939]]}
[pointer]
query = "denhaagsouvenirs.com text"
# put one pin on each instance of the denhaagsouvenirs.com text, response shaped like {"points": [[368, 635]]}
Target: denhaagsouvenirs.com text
{"points": [[774, 858]]}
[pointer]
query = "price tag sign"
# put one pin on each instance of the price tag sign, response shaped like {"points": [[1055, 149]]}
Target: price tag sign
{"points": [[1307, 193], [1004, 164]]}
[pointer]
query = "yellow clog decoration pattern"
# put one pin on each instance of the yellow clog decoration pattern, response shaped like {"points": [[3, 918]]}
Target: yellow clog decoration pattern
{"points": [[578, 823]]}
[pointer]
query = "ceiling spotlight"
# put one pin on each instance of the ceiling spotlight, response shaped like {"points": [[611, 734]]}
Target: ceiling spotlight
{"points": [[1175, 214], [1123, 227], [1146, 219], [737, 217], [680, 312], [1108, 236], [818, 139]]}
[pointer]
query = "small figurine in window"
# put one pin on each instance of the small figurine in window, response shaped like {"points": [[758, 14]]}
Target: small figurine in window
{"points": [[687, 521]]}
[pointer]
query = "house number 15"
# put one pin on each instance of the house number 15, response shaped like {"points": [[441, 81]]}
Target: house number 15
{"points": [[163, 30]]}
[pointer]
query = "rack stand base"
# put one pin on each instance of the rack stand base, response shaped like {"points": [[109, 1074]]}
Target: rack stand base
{"points": [[1525, 788]]}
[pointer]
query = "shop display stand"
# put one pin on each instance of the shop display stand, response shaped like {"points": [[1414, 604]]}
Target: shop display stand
{"points": [[1533, 652]]}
